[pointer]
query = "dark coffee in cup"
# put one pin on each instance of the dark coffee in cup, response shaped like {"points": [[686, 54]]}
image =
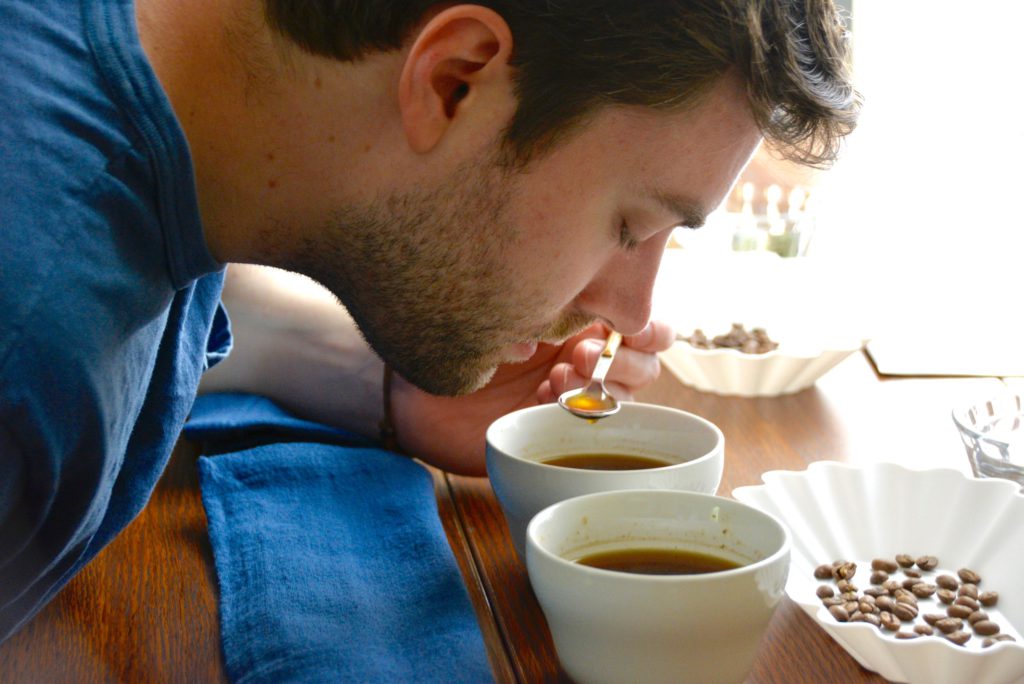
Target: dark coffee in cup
{"points": [[606, 462], [655, 561]]}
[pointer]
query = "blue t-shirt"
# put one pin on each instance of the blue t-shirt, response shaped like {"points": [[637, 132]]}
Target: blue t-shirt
{"points": [[109, 297]]}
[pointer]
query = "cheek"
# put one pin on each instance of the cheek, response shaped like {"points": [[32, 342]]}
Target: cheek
{"points": [[566, 238], [559, 274]]}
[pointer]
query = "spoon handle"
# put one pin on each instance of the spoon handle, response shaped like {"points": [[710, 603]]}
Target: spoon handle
{"points": [[604, 361]]}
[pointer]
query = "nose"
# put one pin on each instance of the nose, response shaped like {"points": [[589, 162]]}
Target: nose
{"points": [[621, 292]]}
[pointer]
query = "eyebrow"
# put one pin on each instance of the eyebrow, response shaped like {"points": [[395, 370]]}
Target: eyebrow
{"points": [[688, 213]]}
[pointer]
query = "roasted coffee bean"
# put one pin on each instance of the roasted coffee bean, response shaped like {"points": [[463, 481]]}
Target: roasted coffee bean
{"points": [[990, 641], [885, 602], [959, 611], [905, 611], [872, 618], [986, 628], [923, 589], [969, 576], [891, 585], [966, 601], [823, 572], [891, 603], [839, 613], [959, 638], [756, 341], [988, 598], [969, 590], [845, 570], [884, 564], [977, 616]]}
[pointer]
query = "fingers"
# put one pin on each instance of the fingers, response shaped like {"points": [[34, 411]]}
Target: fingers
{"points": [[657, 336], [545, 395], [620, 392], [631, 368], [635, 366], [549, 391], [565, 377]]}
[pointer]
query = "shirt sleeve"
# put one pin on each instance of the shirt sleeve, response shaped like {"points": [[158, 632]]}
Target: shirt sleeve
{"points": [[219, 343], [39, 544]]}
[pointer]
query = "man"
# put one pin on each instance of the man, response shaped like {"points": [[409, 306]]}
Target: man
{"points": [[477, 184]]}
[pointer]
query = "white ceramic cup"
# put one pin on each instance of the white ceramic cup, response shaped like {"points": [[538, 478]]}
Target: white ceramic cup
{"points": [[613, 627], [519, 441]]}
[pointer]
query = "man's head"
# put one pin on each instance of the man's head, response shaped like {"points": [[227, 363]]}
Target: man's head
{"points": [[472, 179], [571, 59]]}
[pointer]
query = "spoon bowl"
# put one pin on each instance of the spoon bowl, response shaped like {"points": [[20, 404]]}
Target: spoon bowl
{"points": [[593, 401]]}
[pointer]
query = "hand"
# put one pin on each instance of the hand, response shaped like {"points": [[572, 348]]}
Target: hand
{"points": [[448, 432]]}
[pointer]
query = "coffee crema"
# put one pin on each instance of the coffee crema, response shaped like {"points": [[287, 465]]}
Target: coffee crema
{"points": [[655, 561], [606, 462]]}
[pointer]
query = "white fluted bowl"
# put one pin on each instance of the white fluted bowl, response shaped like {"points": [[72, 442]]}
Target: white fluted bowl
{"points": [[835, 511], [732, 372]]}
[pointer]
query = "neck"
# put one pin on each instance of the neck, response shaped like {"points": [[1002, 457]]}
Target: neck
{"points": [[265, 122]]}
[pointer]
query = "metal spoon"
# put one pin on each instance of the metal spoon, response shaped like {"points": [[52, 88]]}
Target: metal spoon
{"points": [[593, 401]]}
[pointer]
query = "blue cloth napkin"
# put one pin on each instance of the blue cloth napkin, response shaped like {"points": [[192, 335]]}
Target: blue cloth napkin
{"points": [[333, 566], [232, 421]]}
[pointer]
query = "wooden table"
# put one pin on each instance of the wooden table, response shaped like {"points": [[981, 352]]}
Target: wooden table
{"points": [[145, 609]]}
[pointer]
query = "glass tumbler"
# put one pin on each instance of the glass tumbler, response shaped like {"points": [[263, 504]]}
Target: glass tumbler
{"points": [[993, 434]]}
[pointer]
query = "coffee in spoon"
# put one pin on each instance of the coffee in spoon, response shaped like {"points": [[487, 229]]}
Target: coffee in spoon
{"points": [[594, 401]]}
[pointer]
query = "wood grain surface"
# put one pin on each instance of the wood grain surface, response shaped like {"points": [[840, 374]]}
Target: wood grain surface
{"points": [[145, 609]]}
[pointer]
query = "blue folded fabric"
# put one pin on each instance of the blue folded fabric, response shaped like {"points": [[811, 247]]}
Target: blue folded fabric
{"points": [[231, 421], [333, 566], [331, 561]]}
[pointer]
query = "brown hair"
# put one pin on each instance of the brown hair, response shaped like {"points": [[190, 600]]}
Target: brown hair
{"points": [[574, 56]]}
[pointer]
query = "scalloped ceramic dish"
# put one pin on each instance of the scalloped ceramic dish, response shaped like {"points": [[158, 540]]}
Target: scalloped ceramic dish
{"points": [[836, 511], [732, 372]]}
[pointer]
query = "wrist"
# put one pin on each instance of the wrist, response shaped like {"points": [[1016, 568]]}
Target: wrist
{"points": [[388, 433]]}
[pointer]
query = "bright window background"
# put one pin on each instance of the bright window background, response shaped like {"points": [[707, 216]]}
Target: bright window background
{"points": [[935, 167], [928, 198], [920, 231]]}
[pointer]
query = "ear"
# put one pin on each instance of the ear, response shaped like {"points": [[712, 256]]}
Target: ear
{"points": [[450, 70]]}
